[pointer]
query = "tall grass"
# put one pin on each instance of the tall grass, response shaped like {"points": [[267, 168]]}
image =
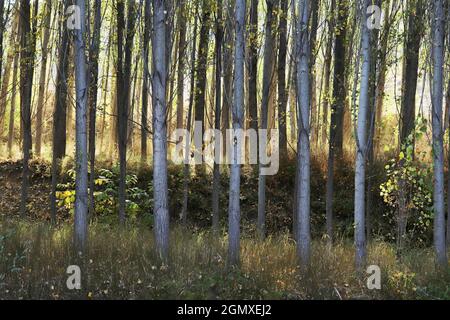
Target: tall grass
{"points": [[121, 264]]}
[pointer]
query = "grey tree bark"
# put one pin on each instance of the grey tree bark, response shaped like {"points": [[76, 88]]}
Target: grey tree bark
{"points": [[81, 155], [234, 213], [160, 189], [268, 67], [361, 141], [438, 134], [303, 153]]}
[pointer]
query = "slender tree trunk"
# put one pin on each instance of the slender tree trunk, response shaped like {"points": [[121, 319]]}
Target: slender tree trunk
{"points": [[81, 155], [252, 39], [105, 90], [267, 79], [12, 53], [411, 64], [282, 92], [2, 29], [202, 67], [161, 211], [327, 75], [315, 5], [181, 64], [184, 210], [361, 142], [26, 86], [303, 153], [42, 76], [60, 110], [216, 170], [123, 94], [337, 110], [438, 149], [381, 81], [228, 71], [13, 106], [93, 89], [145, 85], [234, 213]]}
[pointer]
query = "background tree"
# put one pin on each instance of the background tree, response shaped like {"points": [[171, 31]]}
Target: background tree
{"points": [[47, 10], [268, 70], [27, 51], [94, 52]]}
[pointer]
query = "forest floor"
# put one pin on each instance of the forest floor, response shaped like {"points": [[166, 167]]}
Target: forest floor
{"points": [[121, 262]]}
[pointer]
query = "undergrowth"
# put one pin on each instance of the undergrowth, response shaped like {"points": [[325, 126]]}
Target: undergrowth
{"points": [[121, 264]]}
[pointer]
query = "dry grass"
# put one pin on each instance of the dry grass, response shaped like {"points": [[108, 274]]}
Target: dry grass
{"points": [[121, 264]]}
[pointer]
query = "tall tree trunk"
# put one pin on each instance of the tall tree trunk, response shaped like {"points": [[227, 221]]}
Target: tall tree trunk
{"points": [[438, 148], [282, 92], [12, 52], [371, 122], [408, 104], [94, 52], [123, 93], [42, 76], [60, 109], [81, 156], [26, 85], [160, 189], [216, 170], [234, 211], [252, 39], [181, 64], [327, 73], [184, 210], [13, 106], [361, 141], [411, 63], [337, 109], [315, 5], [383, 67], [303, 153], [2, 29], [202, 67], [267, 79], [145, 85], [228, 71]]}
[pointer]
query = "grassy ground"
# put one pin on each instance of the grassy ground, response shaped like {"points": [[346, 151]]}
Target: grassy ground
{"points": [[121, 264]]}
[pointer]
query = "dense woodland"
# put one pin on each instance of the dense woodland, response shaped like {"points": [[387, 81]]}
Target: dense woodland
{"points": [[358, 91]]}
